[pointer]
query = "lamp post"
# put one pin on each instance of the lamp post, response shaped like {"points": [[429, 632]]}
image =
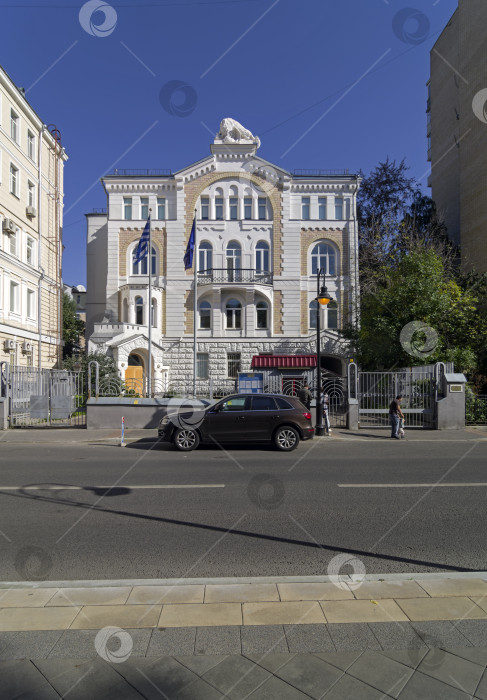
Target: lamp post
{"points": [[323, 298]]}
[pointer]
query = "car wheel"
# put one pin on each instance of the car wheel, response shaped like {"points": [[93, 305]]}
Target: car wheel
{"points": [[286, 438], [186, 439]]}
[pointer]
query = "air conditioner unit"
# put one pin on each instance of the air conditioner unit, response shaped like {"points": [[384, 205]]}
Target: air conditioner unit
{"points": [[26, 346], [31, 211], [10, 344], [9, 226]]}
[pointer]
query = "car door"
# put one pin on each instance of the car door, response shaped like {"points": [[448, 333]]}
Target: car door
{"points": [[227, 421], [263, 418]]}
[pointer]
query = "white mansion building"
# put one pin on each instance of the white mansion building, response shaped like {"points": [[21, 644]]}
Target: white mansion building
{"points": [[262, 234]]}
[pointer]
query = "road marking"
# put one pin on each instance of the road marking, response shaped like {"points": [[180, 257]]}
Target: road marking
{"points": [[125, 486], [407, 486]]}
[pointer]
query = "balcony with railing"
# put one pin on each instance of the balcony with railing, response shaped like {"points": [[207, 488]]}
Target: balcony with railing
{"points": [[240, 276]]}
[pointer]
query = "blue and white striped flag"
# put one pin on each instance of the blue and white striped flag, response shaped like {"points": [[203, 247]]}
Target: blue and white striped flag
{"points": [[143, 248]]}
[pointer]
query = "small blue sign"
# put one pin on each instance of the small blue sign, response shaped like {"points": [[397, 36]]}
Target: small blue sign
{"points": [[250, 382]]}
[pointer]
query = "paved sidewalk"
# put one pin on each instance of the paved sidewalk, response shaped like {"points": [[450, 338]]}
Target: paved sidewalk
{"points": [[399, 636]]}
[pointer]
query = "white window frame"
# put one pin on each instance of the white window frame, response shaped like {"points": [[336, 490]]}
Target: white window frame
{"points": [[144, 208], [161, 205], [30, 302], [14, 126], [339, 202], [305, 208], [32, 250], [236, 313], [126, 205], [322, 202], [205, 257], [14, 190], [202, 365], [206, 307], [233, 208], [136, 269], [316, 258], [248, 206], [205, 208], [262, 306], [261, 254], [13, 244], [139, 306], [14, 297], [262, 208], [31, 145], [31, 194], [219, 204]]}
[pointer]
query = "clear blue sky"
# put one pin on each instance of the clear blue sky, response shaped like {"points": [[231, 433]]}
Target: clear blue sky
{"points": [[355, 69]]}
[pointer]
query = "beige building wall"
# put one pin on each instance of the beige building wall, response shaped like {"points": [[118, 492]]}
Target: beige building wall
{"points": [[31, 203], [459, 137]]}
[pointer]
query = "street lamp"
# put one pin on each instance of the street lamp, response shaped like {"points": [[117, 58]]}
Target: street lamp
{"points": [[323, 298]]}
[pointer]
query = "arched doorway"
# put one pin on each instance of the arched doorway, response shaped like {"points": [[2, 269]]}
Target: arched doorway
{"points": [[134, 374]]}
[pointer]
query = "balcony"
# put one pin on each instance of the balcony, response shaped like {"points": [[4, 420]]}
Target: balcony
{"points": [[242, 276]]}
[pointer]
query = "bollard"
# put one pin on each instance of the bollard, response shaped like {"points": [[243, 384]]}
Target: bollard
{"points": [[122, 444]]}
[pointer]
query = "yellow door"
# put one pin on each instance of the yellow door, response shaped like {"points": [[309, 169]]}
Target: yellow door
{"points": [[134, 380]]}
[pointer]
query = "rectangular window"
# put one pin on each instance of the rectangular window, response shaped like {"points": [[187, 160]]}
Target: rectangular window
{"points": [[161, 208], [127, 208], [30, 251], [13, 244], [144, 208], [233, 364], [219, 208], [14, 297], [31, 194], [202, 365], [205, 208], [31, 146], [14, 126], [262, 208], [233, 208], [248, 208], [14, 180], [322, 208], [338, 208], [31, 311], [305, 208]]}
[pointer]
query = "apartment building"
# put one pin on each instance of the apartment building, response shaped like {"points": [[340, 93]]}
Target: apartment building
{"points": [[31, 204]]}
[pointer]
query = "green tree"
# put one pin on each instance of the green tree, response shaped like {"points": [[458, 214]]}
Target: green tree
{"points": [[73, 327]]}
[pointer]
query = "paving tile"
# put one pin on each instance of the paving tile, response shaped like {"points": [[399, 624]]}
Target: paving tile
{"points": [[475, 655], [91, 596], [172, 641], [314, 591], [340, 659], [363, 611], [353, 637], [25, 597], [218, 640], [441, 633], [396, 635], [381, 673], [408, 657], [124, 616], [272, 662], [156, 678], [309, 674], [19, 676], [236, 677], [452, 670], [276, 689], [474, 630], [200, 664], [241, 593], [389, 589], [308, 638], [295, 613], [454, 586], [28, 645], [166, 594], [25, 619], [422, 687], [199, 690], [89, 679], [456, 608], [481, 691], [259, 639], [200, 615], [348, 687], [80, 644]]}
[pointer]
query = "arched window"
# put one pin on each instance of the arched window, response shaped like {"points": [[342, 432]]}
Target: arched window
{"points": [[332, 315], [139, 311], [234, 314], [205, 315], [205, 258], [233, 203], [323, 257], [154, 313], [262, 257], [125, 311], [219, 202], [262, 314], [140, 268], [234, 261], [313, 313]]}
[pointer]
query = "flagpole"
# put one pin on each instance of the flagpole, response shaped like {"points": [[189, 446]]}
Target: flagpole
{"points": [[149, 256], [195, 307]]}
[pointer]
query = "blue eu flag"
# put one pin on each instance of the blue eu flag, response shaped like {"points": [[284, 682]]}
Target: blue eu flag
{"points": [[188, 256], [143, 248]]}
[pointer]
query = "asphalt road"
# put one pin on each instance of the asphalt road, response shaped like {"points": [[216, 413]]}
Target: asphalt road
{"points": [[260, 512]]}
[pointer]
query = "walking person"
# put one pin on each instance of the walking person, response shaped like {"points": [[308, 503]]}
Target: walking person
{"points": [[305, 395], [395, 415], [325, 402]]}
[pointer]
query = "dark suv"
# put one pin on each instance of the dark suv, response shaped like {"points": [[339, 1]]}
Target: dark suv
{"points": [[253, 418]]}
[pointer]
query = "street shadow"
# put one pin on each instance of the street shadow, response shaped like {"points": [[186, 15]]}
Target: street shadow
{"points": [[239, 446]]}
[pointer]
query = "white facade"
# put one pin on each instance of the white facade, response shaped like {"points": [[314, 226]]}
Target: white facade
{"points": [[261, 234]]}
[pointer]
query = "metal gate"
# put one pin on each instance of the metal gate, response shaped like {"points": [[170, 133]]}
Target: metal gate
{"points": [[333, 385], [377, 389], [45, 397]]}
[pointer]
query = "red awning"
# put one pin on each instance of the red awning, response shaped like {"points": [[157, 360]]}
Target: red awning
{"points": [[283, 361]]}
